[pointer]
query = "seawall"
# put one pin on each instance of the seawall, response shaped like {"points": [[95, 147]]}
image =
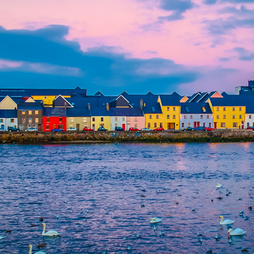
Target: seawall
{"points": [[108, 137]]}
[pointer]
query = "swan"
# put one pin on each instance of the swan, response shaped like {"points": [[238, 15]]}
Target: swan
{"points": [[218, 185], [225, 222], [237, 231], [155, 220], [49, 233], [38, 252]]}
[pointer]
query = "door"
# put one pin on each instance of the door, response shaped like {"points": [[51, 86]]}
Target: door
{"points": [[78, 126], [54, 126], [242, 124], [215, 125], [128, 127], [39, 127], [171, 126], [196, 124], [123, 126]]}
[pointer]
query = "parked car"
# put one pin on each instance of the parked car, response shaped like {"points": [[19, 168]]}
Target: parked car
{"points": [[200, 128], [250, 127], [209, 129], [72, 129], [57, 130], [88, 129], [188, 129], [159, 129], [146, 129], [13, 129], [133, 129], [31, 129], [119, 129], [102, 129]]}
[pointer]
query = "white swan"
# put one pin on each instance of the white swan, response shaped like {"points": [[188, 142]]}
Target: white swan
{"points": [[237, 231], [38, 252], [155, 220], [225, 222], [49, 233], [218, 185]]}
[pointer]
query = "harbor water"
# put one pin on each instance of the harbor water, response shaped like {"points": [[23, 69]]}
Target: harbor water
{"points": [[100, 198]]}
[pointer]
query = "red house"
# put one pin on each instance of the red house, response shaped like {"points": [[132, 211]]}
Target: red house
{"points": [[54, 118]]}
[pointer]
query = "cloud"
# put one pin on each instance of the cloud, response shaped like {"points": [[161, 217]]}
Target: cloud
{"points": [[210, 2], [47, 58], [224, 59], [244, 54]]}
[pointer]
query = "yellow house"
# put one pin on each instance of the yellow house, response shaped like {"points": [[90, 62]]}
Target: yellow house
{"points": [[100, 117], [48, 99], [171, 111], [228, 112]]}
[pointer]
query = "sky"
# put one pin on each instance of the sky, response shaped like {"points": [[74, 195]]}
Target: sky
{"points": [[127, 45]]}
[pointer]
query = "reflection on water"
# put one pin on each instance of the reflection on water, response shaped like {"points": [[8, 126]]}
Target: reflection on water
{"points": [[91, 194]]}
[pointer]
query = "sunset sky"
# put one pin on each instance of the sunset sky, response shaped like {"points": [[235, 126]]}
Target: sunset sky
{"points": [[127, 45]]}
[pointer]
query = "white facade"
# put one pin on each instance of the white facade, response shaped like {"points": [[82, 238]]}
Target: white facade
{"points": [[249, 121], [8, 122], [196, 120], [118, 121]]}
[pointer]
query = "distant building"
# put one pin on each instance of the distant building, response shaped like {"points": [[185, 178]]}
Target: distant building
{"points": [[244, 90]]}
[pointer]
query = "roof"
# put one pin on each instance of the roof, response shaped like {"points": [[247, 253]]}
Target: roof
{"points": [[196, 108], [171, 100], [8, 113], [61, 112], [78, 112], [126, 112], [232, 100], [37, 105]]}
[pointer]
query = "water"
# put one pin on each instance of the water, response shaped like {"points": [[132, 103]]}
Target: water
{"points": [[91, 194]]}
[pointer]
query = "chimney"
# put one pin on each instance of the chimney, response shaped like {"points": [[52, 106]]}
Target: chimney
{"points": [[141, 104], [89, 107], [107, 106]]}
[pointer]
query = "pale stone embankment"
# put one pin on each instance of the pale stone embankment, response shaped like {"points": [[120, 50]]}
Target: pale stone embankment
{"points": [[107, 137]]}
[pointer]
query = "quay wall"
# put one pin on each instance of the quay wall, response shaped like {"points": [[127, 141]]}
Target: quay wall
{"points": [[111, 136]]}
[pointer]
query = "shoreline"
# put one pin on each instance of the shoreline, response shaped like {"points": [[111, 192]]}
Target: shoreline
{"points": [[241, 135]]}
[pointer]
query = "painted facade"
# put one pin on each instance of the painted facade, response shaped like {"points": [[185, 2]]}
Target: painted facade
{"points": [[8, 118], [8, 103], [54, 118]]}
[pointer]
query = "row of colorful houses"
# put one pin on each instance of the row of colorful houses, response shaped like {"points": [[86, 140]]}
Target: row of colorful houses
{"points": [[47, 109]]}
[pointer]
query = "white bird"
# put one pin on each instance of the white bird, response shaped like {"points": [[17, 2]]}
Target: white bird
{"points": [[49, 233], [1, 237], [38, 252], [218, 185], [225, 222], [155, 220], [237, 231]]}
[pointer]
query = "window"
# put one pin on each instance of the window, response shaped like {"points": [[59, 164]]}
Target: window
{"points": [[84, 119], [185, 116], [188, 124], [93, 119], [150, 116], [218, 108], [47, 119], [174, 116], [12, 120], [155, 125], [60, 126], [240, 108], [224, 108], [45, 97], [23, 120], [224, 116], [233, 108], [116, 118], [201, 116], [30, 112], [30, 120], [174, 108], [135, 119], [36, 120], [93, 126], [223, 125], [233, 117], [210, 124], [71, 119], [161, 125], [29, 126], [218, 117], [235, 125], [148, 125], [203, 124], [167, 116], [23, 112], [136, 125], [240, 116], [60, 119], [207, 117], [123, 118], [101, 119], [157, 116], [249, 116], [167, 108], [182, 125], [128, 119], [34, 126], [1, 120], [36, 112], [191, 116]]}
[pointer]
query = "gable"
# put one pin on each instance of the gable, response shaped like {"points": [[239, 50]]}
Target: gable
{"points": [[184, 99], [216, 95], [30, 100], [120, 102], [8, 103], [61, 102]]}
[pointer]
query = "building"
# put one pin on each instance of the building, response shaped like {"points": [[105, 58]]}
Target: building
{"points": [[245, 90], [54, 118], [8, 119]]}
